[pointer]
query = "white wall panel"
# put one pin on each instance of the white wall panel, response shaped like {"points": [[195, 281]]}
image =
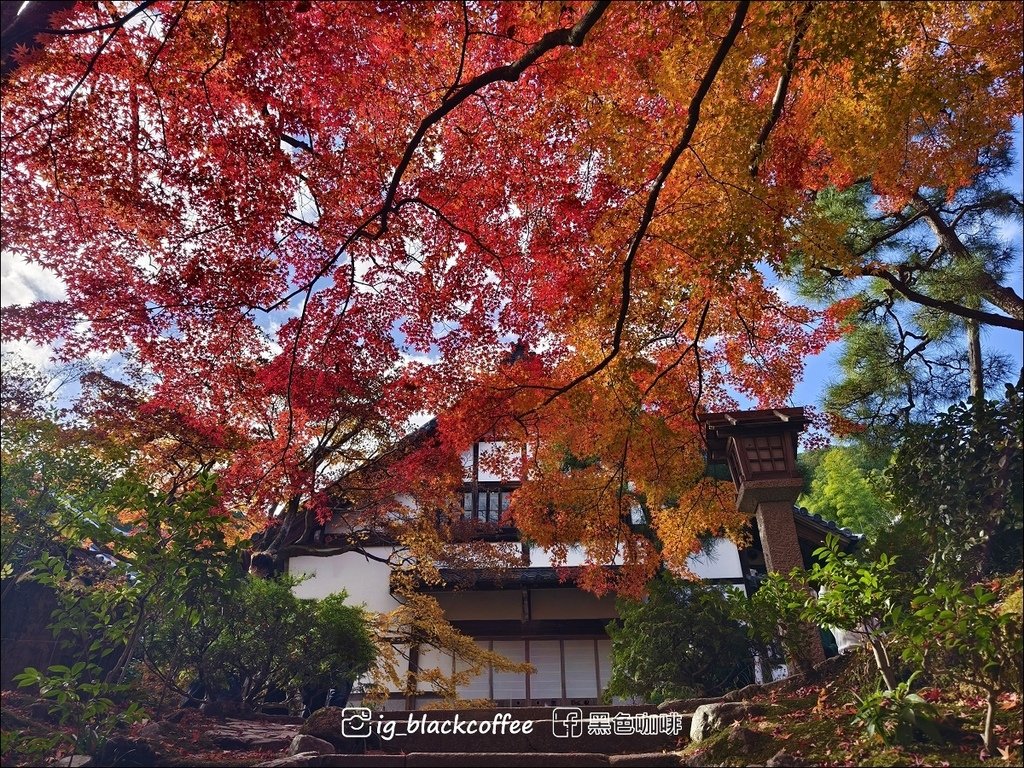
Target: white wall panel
{"points": [[479, 687], [431, 658], [510, 685], [546, 682], [544, 558], [580, 669], [500, 461], [366, 581], [604, 661], [722, 563]]}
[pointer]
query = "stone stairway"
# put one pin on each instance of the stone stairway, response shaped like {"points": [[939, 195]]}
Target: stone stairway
{"points": [[480, 760], [607, 730], [520, 737], [620, 736]]}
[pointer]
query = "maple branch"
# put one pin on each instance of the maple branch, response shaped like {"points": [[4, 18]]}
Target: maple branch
{"points": [[572, 36], [779, 101], [564, 36], [693, 116], [462, 54], [691, 346], [163, 43], [297, 143], [296, 550], [461, 230], [114, 27], [223, 50], [752, 342]]}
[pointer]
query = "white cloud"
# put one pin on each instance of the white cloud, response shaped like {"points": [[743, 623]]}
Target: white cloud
{"points": [[34, 354], [22, 283]]}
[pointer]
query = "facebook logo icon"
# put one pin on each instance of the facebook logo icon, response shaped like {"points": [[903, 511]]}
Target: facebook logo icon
{"points": [[567, 722]]}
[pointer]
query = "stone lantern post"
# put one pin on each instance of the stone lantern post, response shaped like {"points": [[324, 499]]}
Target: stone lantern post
{"points": [[759, 448]]}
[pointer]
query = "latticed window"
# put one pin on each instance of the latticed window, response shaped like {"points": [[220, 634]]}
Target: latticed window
{"points": [[487, 502]]}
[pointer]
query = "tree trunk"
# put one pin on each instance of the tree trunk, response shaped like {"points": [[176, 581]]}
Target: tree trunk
{"points": [[974, 360], [118, 671]]}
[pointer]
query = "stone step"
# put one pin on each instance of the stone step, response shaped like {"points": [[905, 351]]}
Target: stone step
{"points": [[611, 730], [482, 760]]}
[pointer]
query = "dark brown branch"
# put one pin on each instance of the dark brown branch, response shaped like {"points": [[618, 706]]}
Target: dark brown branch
{"points": [[291, 141], [689, 347], [693, 117], [1001, 296], [779, 101], [462, 55], [571, 36], [114, 27], [296, 550], [987, 318], [903, 287]]}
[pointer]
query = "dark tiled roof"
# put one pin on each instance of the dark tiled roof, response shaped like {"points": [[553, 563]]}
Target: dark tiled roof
{"points": [[826, 526]]}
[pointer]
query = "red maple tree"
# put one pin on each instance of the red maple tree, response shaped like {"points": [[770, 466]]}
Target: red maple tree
{"points": [[305, 223]]}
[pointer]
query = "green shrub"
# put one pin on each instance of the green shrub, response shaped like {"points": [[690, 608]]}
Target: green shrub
{"points": [[255, 635], [986, 642], [898, 716], [772, 618], [77, 696], [864, 598], [679, 642]]}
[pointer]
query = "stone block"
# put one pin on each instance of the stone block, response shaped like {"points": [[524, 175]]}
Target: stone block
{"points": [[711, 718], [303, 742], [645, 760], [506, 760]]}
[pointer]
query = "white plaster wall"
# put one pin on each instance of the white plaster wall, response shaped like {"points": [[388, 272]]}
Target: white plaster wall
{"points": [[506, 454], [543, 558], [481, 554], [366, 581], [509, 685], [479, 686], [432, 658], [723, 562]]}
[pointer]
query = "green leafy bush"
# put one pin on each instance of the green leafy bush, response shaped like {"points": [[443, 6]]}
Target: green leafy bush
{"points": [[958, 479], [986, 642], [773, 619], [79, 699], [898, 716], [864, 598], [253, 635], [679, 642], [272, 639]]}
